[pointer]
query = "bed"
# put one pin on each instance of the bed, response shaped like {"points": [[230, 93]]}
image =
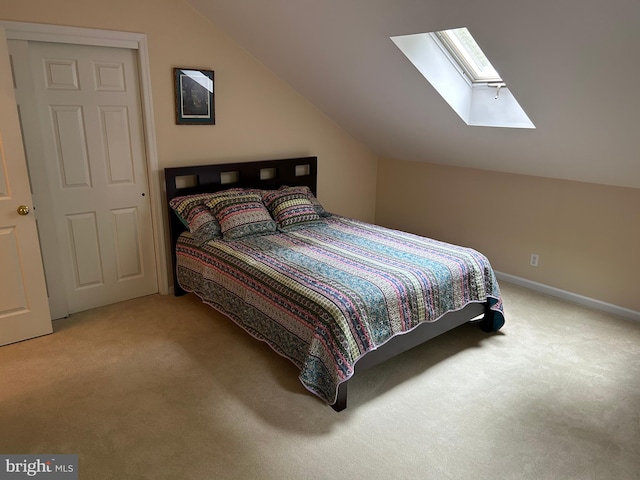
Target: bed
{"points": [[334, 295]]}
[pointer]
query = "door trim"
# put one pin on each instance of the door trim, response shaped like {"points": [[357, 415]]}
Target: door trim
{"points": [[134, 41]]}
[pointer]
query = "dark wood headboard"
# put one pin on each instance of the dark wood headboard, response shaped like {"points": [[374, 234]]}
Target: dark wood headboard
{"points": [[264, 174]]}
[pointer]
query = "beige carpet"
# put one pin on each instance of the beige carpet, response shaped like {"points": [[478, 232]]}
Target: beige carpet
{"points": [[166, 388]]}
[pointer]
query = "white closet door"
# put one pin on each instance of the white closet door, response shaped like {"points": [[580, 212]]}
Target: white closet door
{"points": [[89, 173], [24, 312]]}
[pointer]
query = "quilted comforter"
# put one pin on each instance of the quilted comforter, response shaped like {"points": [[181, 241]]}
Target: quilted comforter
{"points": [[325, 295]]}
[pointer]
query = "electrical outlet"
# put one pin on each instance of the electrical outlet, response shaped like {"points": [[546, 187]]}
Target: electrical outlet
{"points": [[534, 260]]}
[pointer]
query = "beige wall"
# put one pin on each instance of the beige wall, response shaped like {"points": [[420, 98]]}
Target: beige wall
{"points": [[587, 235], [258, 116]]}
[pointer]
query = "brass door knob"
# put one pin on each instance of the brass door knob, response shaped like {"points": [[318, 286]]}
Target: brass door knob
{"points": [[23, 210]]}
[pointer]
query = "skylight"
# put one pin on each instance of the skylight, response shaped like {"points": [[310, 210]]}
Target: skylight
{"points": [[456, 67], [468, 54]]}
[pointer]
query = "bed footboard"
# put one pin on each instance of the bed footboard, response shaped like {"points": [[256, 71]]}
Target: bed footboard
{"points": [[421, 334]]}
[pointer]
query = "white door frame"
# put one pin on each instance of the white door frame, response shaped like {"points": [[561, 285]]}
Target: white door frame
{"points": [[134, 41]]}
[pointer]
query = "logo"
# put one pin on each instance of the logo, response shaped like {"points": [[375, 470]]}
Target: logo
{"points": [[46, 467]]}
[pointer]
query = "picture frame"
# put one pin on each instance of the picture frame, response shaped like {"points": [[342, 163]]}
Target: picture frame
{"points": [[194, 92]]}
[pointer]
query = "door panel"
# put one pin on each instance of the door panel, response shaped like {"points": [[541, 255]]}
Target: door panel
{"points": [[109, 76], [4, 191], [117, 144], [61, 74], [67, 126], [85, 250], [12, 296], [24, 310], [126, 239]]}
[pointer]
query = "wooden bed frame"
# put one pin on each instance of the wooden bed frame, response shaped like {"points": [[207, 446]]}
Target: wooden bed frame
{"points": [[269, 175]]}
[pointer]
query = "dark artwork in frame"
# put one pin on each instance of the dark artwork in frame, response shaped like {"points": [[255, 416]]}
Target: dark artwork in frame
{"points": [[194, 96]]}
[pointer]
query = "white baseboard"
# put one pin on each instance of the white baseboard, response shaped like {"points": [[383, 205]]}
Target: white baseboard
{"points": [[571, 297]]}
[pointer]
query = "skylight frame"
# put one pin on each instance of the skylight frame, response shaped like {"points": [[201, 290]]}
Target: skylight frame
{"points": [[467, 60]]}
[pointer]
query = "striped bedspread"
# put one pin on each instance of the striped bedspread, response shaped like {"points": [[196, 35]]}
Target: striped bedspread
{"points": [[325, 295]]}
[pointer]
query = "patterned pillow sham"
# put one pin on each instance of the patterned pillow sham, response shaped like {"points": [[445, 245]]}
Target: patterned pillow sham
{"points": [[241, 214], [291, 209], [312, 198], [196, 216]]}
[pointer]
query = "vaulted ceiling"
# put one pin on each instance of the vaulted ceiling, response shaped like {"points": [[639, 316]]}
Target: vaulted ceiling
{"points": [[573, 65]]}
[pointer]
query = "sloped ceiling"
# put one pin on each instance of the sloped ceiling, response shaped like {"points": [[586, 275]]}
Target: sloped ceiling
{"points": [[573, 65]]}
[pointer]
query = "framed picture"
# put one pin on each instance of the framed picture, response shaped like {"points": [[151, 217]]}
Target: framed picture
{"points": [[194, 96]]}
